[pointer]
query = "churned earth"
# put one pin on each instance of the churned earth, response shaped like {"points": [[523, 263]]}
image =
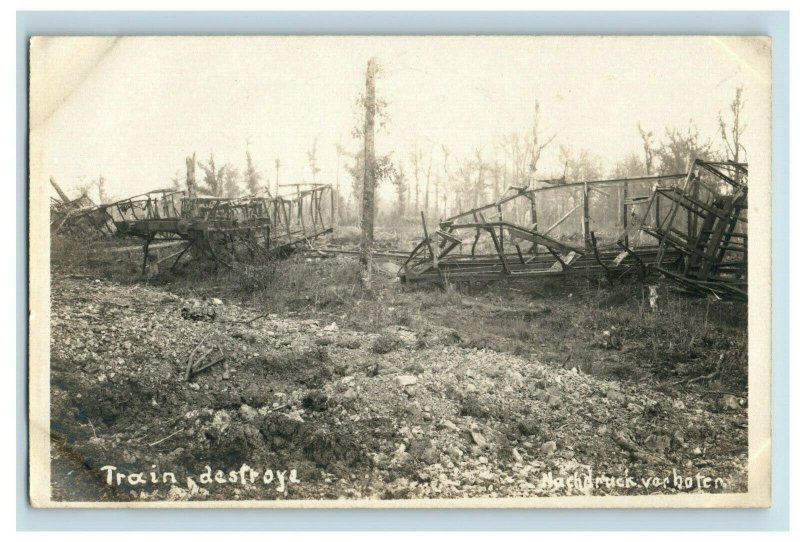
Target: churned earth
{"points": [[313, 405]]}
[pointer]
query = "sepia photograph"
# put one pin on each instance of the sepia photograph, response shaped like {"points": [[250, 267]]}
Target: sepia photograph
{"points": [[400, 271]]}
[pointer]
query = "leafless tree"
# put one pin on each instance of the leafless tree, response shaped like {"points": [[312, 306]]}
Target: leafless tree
{"points": [[400, 182], [647, 144], [732, 130], [252, 177], [368, 197], [428, 182], [312, 161], [679, 147], [448, 181], [416, 165]]}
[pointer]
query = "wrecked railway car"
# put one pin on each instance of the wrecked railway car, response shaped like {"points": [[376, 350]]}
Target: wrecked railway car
{"points": [[690, 227], [221, 230]]}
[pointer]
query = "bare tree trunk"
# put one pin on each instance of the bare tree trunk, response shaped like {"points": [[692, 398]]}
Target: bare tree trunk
{"points": [[61, 193], [191, 182], [436, 200], [428, 183], [277, 175], [368, 191], [416, 158]]}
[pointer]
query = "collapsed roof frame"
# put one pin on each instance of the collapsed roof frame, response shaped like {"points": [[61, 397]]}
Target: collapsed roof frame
{"points": [[697, 220], [528, 249]]}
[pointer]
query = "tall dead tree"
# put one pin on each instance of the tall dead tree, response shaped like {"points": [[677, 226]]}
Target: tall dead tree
{"points": [[448, 181], [428, 182], [400, 183], [340, 151], [312, 161], [647, 144], [252, 177], [732, 130], [102, 195], [480, 187], [536, 143], [191, 183], [368, 191], [416, 158]]}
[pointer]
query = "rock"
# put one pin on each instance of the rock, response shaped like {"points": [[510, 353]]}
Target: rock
{"points": [[515, 378], [380, 461], [400, 456], [294, 415], [470, 388], [729, 402], [635, 408], [406, 380], [221, 420], [350, 394], [624, 442], [177, 493], [553, 401], [248, 413], [548, 447], [614, 395], [429, 455], [478, 438], [540, 395], [449, 425], [658, 443], [316, 400], [216, 301], [454, 452], [331, 327], [528, 427]]}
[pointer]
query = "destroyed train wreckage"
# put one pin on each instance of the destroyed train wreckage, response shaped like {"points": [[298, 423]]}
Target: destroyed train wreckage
{"points": [[689, 227], [222, 230]]}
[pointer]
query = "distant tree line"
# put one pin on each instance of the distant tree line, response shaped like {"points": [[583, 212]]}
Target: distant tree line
{"points": [[428, 178]]}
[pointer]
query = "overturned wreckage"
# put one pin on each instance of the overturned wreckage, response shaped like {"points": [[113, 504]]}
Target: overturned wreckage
{"points": [[222, 230], [689, 227]]}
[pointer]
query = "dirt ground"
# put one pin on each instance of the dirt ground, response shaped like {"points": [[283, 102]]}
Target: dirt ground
{"points": [[505, 390]]}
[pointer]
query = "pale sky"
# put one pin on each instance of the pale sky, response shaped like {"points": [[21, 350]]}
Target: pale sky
{"points": [[132, 109]]}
